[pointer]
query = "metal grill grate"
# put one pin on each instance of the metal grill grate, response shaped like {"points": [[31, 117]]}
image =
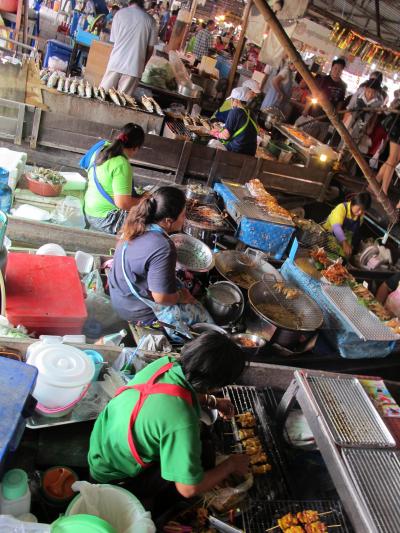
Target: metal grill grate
{"points": [[273, 484], [349, 413], [264, 515], [364, 323], [376, 474]]}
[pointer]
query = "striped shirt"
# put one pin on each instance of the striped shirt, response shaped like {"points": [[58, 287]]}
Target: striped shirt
{"points": [[203, 43]]}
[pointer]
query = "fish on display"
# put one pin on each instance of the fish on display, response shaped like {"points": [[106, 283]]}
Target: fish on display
{"points": [[81, 89], [60, 84], [95, 91], [147, 104], [73, 87], [122, 98], [102, 94], [67, 84], [52, 81], [42, 72], [131, 101], [45, 77], [88, 90], [157, 107], [114, 96]]}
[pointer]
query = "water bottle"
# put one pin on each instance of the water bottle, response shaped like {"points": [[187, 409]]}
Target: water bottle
{"points": [[5, 191]]}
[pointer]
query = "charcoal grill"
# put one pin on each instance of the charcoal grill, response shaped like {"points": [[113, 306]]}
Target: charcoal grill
{"points": [[264, 515], [274, 484], [198, 226]]}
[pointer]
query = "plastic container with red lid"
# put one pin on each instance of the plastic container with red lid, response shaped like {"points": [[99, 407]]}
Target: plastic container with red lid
{"points": [[44, 294]]}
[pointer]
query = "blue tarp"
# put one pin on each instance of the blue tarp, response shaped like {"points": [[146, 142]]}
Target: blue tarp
{"points": [[335, 329], [269, 237]]}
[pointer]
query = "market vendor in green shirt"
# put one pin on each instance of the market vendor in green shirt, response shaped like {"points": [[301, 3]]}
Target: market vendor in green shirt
{"points": [[154, 422], [111, 193]]}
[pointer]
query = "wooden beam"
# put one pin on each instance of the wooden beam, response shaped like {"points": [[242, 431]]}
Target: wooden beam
{"points": [[326, 105], [239, 48], [378, 18]]}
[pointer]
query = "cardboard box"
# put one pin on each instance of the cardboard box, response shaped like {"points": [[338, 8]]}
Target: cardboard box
{"points": [[96, 65]]}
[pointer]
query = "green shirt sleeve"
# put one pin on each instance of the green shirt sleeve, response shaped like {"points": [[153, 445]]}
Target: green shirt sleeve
{"points": [[180, 456], [121, 176]]}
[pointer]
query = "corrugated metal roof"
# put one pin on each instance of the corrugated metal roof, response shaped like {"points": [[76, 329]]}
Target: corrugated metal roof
{"points": [[362, 14]]}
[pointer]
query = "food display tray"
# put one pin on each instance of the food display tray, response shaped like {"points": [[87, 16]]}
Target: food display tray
{"points": [[88, 408], [248, 208], [364, 323], [350, 415], [376, 476]]}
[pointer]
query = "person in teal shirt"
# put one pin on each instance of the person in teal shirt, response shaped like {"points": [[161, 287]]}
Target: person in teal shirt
{"points": [[110, 193], [161, 440]]}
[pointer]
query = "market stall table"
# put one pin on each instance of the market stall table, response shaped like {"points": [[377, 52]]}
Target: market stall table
{"points": [[255, 229], [172, 95]]}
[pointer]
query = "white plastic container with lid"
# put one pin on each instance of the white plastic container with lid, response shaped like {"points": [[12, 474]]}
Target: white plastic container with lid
{"points": [[14, 162], [15, 496], [64, 373]]}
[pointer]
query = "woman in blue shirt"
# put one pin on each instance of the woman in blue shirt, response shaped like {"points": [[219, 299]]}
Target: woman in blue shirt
{"points": [[240, 130]]}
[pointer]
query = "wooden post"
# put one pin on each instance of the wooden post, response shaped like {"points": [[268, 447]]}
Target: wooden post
{"points": [[18, 19], [193, 8], [295, 57], [239, 48], [177, 36], [25, 19]]}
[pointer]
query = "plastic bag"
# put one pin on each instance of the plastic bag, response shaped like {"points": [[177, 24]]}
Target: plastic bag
{"points": [[69, 212], [179, 69], [158, 72], [224, 499], [93, 283], [13, 525], [115, 505]]}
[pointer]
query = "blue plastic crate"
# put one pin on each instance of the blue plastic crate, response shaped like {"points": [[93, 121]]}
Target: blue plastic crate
{"points": [[84, 37], [55, 48], [17, 381]]}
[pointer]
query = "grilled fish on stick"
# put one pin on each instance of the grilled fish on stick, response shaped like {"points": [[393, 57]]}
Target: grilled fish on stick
{"points": [[246, 434], [259, 458], [246, 420], [253, 450], [254, 441]]}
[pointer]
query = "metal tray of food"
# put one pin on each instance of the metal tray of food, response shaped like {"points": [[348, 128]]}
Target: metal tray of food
{"points": [[376, 476], [350, 415], [364, 323]]}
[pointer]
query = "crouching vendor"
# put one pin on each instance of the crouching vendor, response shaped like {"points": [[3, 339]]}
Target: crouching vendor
{"points": [[149, 433], [111, 193], [345, 222]]}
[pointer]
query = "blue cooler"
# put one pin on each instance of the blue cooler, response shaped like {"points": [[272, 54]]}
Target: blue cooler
{"points": [[85, 37], [17, 381], [55, 48]]}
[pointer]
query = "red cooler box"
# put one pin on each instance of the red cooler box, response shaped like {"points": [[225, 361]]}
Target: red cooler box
{"points": [[44, 294]]}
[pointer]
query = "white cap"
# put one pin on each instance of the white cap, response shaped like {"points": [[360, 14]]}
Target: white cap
{"points": [[239, 93], [253, 85]]}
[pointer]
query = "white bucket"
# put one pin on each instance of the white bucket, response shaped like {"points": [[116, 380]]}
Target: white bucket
{"points": [[64, 372]]}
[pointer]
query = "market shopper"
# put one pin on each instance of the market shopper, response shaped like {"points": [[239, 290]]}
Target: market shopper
{"points": [[279, 89], [388, 294], [149, 433], [345, 222], [391, 124], [110, 193], [146, 259], [334, 89], [134, 34], [253, 89], [240, 130], [204, 41]]}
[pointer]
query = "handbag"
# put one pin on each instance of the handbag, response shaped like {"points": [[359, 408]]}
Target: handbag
{"points": [[181, 316]]}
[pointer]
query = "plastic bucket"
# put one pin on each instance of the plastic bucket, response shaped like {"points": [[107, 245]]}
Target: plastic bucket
{"points": [[82, 523], [117, 506], [98, 361]]}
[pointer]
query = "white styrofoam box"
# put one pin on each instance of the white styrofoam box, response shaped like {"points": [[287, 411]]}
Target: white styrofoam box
{"points": [[75, 181], [14, 162]]}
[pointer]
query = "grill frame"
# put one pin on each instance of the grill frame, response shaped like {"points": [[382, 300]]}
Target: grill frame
{"points": [[318, 387], [379, 490]]}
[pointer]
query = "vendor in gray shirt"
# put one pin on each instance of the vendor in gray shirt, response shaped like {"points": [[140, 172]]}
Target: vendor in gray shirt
{"points": [[150, 256], [134, 34]]}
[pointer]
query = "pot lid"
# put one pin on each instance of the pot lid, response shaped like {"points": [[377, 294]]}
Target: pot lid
{"points": [[62, 365]]}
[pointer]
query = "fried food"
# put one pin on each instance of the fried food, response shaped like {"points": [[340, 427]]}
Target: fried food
{"points": [[316, 527], [246, 434], [378, 309], [243, 279], [336, 273], [261, 469], [246, 420], [308, 516], [288, 292], [288, 520], [362, 292], [320, 256], [265, 200], [394, 325], [280, 315]]}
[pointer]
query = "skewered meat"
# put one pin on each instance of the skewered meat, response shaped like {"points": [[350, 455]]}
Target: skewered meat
{"points": [[253, 450], [261, 469], [316, 527], [287, 521], [246, 420], [294, 529], [308, 516], [288, 292], [253, 441], [258, 458], [246, 434]]}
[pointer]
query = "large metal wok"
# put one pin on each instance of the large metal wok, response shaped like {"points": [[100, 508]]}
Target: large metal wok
{"points": [[243, 269], [278, 319]]}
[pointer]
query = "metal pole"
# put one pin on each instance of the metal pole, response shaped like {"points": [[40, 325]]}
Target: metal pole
{"points": [[295, 57]]}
